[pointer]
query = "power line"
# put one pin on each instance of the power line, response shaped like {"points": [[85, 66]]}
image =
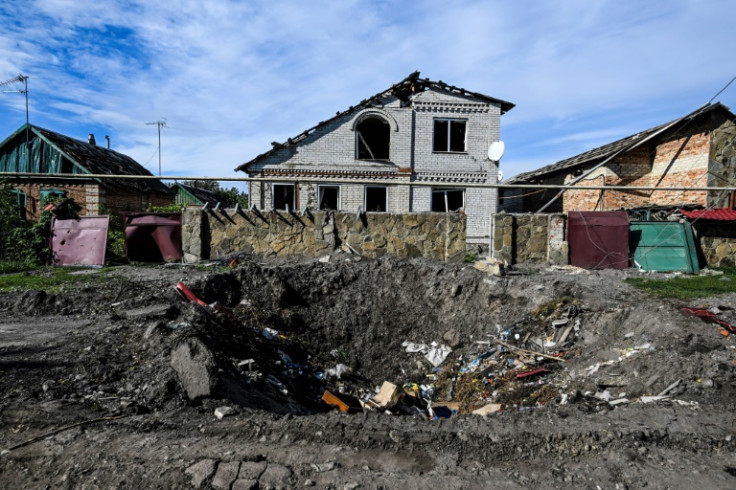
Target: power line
{"points": [[721, 91]]}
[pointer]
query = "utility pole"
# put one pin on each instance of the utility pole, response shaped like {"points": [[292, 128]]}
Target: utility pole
{"points": [[161, 124]]}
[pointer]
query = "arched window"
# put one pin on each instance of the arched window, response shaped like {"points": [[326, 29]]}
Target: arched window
{"points": [[373, 139]]}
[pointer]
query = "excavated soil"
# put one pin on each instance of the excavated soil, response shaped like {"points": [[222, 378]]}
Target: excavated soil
{"points": [[115, 384]]}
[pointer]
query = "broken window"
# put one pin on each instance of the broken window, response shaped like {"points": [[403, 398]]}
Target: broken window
{"points": [[373, 139], [329, 196], [376, 199], [284, 197], [449, 135], [50, 195], [446, 200]]}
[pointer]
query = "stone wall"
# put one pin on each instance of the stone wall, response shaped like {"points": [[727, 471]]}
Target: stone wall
{"points": [[530, 238], [717, 242], [216, 234]]}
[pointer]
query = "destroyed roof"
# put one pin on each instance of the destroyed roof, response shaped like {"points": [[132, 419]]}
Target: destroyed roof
{"points": [[605, 151], [93, 159], [402, 90]]}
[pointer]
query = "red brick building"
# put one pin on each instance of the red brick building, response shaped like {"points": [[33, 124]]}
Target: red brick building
{"points": [[42, 152], [697, 150]]}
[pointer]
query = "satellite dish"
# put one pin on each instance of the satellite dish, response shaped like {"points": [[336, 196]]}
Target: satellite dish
{"points": [[495, 151], [500, 175]]}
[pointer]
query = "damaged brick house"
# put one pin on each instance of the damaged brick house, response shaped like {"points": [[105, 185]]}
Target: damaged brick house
{"points": [[54, 153], [697, 150], [418, 130]]}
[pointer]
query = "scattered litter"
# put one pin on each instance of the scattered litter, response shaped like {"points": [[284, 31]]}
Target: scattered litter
{"points": [[710, 317], [488, 409], [652, 399], [437, 354], [338, 371], [222, 412], [388, 396], [345, 403], [322, 467], [190, 296], [670, 387]]}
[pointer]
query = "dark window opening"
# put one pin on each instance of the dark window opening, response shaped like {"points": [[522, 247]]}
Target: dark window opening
{"points": [[283, 197], [373, 136], [21, 200], [449, 135], [329, 197], [446, 200], [375, 199]]}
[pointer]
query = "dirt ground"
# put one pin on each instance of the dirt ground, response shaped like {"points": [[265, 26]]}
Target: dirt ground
{"points": [[116, 384]]}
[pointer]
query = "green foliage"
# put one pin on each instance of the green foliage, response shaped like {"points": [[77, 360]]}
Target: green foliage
{"points": [[169, 208], [115, 249], [24, 244], [50, 280], [687, 287], [470, 258]]}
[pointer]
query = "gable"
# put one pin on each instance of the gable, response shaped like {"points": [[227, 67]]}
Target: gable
{"points": [[411, 90]]}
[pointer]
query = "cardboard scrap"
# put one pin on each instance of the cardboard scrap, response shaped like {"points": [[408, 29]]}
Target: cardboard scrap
{"points": [[388, 396]]}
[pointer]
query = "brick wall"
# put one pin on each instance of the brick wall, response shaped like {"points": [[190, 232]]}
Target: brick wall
{"points": [[332, 149], [676, 162], [119, 201], [32, 190]]}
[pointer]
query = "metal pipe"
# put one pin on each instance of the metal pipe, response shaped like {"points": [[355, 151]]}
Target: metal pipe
{"points": [[367, 182]]}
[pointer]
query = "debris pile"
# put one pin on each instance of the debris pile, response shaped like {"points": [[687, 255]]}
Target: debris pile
{"points": [[508, 370]]}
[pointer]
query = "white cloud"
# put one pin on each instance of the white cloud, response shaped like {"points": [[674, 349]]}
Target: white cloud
{"points": [[231, 76]]}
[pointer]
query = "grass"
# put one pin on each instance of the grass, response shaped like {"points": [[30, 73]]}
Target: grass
{"points": [[18, 266], [686, 287], [49, 279]]}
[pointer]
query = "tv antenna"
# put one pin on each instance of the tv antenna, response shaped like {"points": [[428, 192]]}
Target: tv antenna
{"points": [[24, 80], [161, 123]]}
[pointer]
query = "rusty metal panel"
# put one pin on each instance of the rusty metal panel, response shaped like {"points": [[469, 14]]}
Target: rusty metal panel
{"points": [[153, 237], [80, 241], [598, 240]]}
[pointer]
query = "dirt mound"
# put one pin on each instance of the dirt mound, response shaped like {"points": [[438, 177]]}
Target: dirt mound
{"points": [[590, 382]]}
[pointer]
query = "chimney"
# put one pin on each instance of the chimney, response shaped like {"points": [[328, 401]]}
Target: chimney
{"points": [[91, 139], [108, 141]]}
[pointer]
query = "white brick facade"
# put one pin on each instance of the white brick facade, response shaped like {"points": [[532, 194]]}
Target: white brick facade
{"points": [[328, 153]]}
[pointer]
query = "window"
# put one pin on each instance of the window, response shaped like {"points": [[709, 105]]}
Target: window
{"points": [[329, 196], [446, 200], [376, 199], [21, 199], [284, 197], [449, 135], [51, 195], [372, 139]]}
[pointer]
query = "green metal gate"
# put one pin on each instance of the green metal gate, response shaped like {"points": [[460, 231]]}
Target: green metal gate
{"points": [[663, 246]]}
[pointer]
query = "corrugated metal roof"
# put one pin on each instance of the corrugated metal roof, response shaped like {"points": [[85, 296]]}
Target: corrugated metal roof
{"points": [[597, 154], [710, 214], [402, 90]]}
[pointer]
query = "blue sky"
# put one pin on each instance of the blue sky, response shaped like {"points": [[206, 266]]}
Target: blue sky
{"points": [[230, 77]]}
